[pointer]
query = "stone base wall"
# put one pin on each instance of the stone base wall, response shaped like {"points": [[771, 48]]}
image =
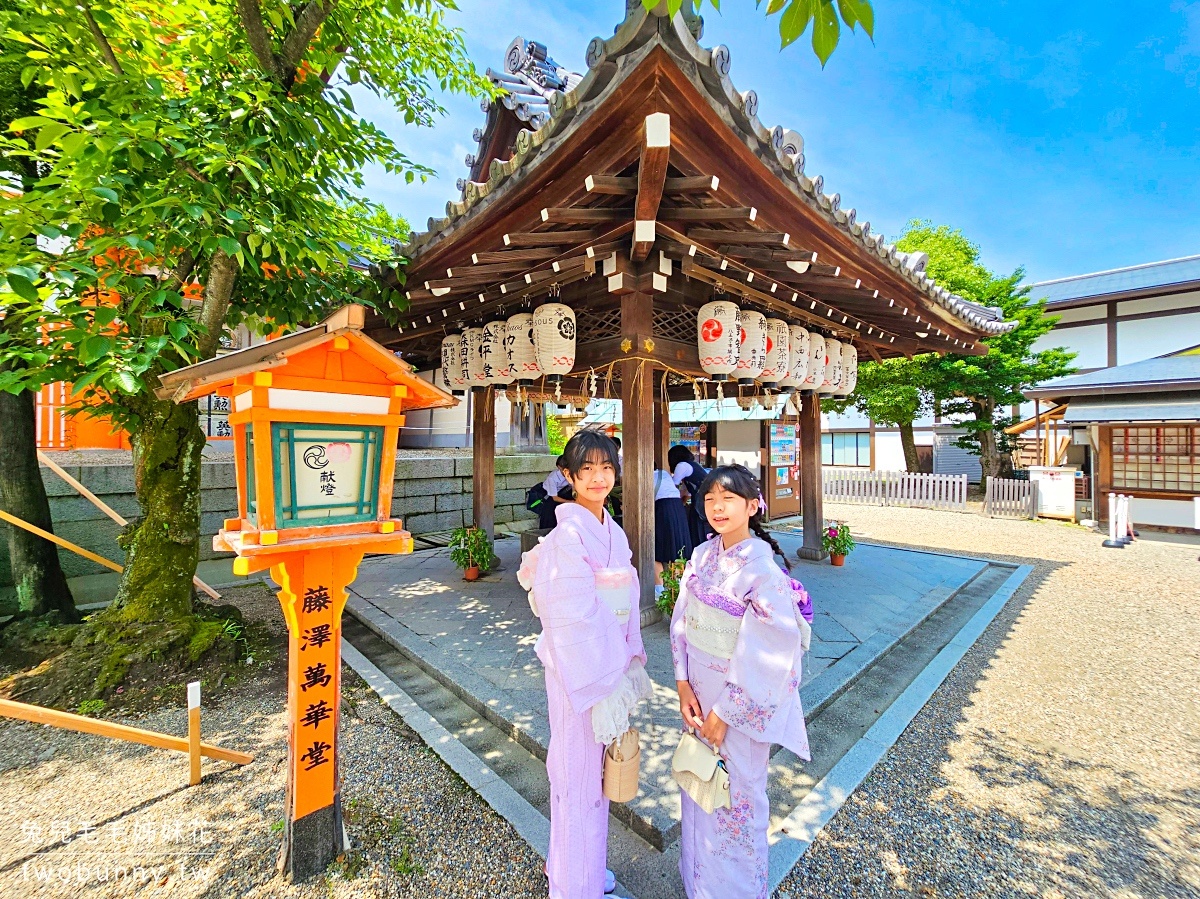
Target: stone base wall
{"points": [[431, 494]]}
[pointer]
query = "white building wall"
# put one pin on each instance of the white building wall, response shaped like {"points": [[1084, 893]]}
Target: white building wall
{"points": [[1190, 300], [451, 427], [1165, 513], [738, 443], [889, 452], [1151, 337], [1090, 342]]}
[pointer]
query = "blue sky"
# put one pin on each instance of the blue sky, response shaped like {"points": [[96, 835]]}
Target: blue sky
{"points": [[1064, 137]]}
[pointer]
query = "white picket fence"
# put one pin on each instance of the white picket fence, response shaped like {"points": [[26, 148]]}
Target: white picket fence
{"points": [[895, 488], [1009, 498]]}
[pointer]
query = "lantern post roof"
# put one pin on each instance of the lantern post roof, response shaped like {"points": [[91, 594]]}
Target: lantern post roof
{"points": [[375, 364]]}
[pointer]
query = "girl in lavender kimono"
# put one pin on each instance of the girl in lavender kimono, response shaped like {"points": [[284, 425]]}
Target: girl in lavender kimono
{"points": [[737, 638], [586, 593]]}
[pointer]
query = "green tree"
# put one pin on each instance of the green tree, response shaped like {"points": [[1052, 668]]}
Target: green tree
{"points": [[40, 583], [202, 163], [826, 17], [982, 387], [892, 392]]}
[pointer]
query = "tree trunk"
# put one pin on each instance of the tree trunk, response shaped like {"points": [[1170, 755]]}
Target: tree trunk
{"points": [[909, 443], [38, 576], [163, 546], [989, 452]]}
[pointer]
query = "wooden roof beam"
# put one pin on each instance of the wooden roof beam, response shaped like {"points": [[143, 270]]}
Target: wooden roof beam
{"points": [[793, 255], [709, 214], [652, 177], [627, 185], [546, 238], [572, 215], [536, 254], [774, 239]]}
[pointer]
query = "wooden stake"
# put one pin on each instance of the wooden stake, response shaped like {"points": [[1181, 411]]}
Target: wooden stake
{"points": [[194, 733], [54, 538], [103, 507]]}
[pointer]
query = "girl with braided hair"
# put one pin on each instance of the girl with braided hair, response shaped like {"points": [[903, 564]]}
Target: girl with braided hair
{"points": [[737, 639]]}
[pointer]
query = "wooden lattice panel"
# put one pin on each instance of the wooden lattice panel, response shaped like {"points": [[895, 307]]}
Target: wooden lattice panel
{"points": [[598, 325], [675, 324]]}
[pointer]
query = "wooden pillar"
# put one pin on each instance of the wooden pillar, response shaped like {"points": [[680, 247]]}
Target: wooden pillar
{"points": [[637, 427], [483, 458], [662, 432], [811, 490]]}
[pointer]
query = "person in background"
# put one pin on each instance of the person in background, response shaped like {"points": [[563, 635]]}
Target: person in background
{"points": [[620, 457], [672, 533], [558, 491], [688, 474]]}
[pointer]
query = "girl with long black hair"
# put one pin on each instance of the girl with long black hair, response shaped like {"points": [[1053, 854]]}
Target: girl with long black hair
{"points": [[737, 638]]}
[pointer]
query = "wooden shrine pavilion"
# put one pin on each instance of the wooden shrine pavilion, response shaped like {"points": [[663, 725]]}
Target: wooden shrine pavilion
{"points": [[634, 194]]}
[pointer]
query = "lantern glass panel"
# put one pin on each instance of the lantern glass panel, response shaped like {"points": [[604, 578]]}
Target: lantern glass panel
{"points": [[251, 496], [325, 474]]}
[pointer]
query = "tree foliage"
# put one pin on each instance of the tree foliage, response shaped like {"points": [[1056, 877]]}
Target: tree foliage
{"points": [[199, 164], [983, 387], [825, 16], [893, 392], [203, 166]]}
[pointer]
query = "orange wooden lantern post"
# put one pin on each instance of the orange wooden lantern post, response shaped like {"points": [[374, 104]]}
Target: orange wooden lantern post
{"points": [[315, 417]]}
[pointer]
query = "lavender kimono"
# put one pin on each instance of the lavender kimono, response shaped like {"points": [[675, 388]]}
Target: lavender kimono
{"points": [[580, 577], [736, 637]]}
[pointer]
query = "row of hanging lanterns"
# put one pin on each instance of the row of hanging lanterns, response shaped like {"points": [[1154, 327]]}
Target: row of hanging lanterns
{"points": [[522, 348], [754, 349]]}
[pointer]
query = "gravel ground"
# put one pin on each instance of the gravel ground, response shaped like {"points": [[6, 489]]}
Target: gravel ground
{"points": [[87, 811], [1062, 756]]}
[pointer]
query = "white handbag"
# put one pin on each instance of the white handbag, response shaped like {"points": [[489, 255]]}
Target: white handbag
{"points": [[701, 773]]}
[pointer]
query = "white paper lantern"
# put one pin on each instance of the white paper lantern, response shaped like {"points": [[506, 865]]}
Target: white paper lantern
{"points": [[816, 362], [473, 337], [495, 360], [833, 366], [464, 360], [797, 358], [554, 340], [775, 365], [453, 372], [518, 344], [752, 353], [849, 369], [717, 338]]}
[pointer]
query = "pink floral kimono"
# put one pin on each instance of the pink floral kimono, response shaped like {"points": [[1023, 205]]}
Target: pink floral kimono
{"points": [[737, 637], [586, 593]]}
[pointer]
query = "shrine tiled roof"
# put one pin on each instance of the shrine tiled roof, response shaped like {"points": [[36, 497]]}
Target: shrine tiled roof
{"points": [[553, 102]]}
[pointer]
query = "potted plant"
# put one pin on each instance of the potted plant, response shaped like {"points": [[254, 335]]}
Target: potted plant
{"points": [[471, 551], [672, 572], [836, 541]]}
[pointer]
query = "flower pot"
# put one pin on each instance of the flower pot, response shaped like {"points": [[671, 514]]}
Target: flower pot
{"points": [[471, 573], [837, 559]]}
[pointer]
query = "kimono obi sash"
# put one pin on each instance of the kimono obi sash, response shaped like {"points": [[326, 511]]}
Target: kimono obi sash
{"points": [[614, 586], [714, 621]]}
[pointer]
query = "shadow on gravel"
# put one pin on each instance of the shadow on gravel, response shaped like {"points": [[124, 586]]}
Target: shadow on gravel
{"points": [[1034, 822]]}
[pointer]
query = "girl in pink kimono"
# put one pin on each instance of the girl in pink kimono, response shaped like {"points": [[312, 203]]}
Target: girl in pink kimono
{"points": [[586, 593], [737, 637]]}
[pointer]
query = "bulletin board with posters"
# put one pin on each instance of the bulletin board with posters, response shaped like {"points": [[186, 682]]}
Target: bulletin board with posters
{"points": [[781, 472]]}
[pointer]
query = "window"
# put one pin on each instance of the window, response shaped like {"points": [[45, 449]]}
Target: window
{"points": [[1163, 458], [846, 449]]}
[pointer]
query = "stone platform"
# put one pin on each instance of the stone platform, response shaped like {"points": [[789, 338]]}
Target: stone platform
{"points": [[477, 639]]}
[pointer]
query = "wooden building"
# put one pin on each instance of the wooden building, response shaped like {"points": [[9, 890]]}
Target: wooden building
{"points": [[648, 187]]}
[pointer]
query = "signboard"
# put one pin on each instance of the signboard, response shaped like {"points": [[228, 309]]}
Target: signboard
{"points": [[783, 445], [694, 437], [214, 416], [1055, 491], [328, 474]]}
